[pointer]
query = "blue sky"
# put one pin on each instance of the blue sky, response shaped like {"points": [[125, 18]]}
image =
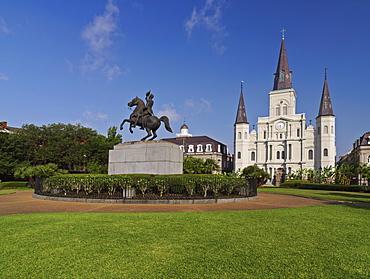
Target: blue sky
{"points": [[80, 61]]}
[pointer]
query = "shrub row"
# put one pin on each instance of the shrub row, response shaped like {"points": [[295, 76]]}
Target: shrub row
{"points": [[303, 184], [13, 184], [152, 186]]}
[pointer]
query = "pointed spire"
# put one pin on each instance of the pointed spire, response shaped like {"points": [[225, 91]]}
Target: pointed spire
{"points": [[283, 77], [325, 104], [241, 115]]}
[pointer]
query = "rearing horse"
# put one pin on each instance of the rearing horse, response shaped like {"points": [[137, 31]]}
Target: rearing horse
{"points": [[144, 120]]}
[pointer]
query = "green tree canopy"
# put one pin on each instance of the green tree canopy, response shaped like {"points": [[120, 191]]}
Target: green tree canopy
{"points": [[68, 146], [254, 172], [199, 166]]}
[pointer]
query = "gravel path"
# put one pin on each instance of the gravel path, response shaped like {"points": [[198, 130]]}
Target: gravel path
{"points": [[22, 202]]}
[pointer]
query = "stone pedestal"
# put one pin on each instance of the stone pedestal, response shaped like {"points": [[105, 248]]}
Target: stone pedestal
{"points": [[150, 157]]}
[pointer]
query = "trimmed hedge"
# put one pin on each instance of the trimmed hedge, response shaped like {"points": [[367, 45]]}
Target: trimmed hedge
{"points": [[303, 184], [13, 184], [146, 186]]}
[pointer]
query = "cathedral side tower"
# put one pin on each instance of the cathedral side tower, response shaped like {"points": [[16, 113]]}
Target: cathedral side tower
{"points": [[241, 135], [325, 149]]}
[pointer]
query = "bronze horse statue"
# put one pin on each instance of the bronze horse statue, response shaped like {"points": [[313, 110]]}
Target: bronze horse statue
{"points": [[142, 117]]}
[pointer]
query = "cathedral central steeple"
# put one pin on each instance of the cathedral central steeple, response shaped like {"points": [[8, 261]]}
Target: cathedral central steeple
{"points": [[283, 77]]}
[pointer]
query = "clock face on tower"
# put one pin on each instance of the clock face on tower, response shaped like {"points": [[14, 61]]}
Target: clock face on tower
{"points": [[280, 125]]}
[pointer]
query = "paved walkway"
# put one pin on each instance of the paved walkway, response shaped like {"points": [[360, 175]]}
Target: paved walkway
{"points": [[22, 202]]}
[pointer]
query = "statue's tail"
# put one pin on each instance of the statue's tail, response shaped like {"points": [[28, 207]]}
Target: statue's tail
{"points": [[166, 122]]}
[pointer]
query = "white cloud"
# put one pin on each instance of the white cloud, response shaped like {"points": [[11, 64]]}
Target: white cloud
{"points": [[195, 107], [3, 26], [3, 77], [99, 36], [112, 72], [209, 17], [70, 65], [169, 111], [90, 115]]}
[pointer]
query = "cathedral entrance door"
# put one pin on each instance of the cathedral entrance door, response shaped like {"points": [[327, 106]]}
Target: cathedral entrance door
{"points": [[279, 176]]}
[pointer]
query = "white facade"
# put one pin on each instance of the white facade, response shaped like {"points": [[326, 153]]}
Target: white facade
{"points": [[283, 141]]}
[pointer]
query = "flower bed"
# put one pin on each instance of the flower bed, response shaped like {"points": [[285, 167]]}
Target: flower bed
{"points": [[146, 187]]}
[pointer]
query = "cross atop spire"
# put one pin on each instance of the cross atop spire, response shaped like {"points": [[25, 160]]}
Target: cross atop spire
{"points": [[282, 33]]}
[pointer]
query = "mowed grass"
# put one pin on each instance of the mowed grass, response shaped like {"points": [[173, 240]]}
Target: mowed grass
{"points": [[321, 194], [310, 242]]}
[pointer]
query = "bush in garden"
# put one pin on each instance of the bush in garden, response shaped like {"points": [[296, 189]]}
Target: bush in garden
{"points": [[142, 184], [162, 185]]}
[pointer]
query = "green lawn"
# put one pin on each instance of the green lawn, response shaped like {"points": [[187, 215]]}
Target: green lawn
{"points": [[320, 194], [310, 242]]}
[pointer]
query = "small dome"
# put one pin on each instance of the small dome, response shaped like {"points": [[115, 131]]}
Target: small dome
{"points": [[184, 126]]}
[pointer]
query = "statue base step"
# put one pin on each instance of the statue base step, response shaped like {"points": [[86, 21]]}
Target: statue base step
{"points": [[146, 157]]}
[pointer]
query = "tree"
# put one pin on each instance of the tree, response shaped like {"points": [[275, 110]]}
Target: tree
{"points": [[193, 165], [254, 172], [31, 172]]}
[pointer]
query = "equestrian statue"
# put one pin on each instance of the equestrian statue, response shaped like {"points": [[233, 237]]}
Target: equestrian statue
{"points": [[143, 117]]}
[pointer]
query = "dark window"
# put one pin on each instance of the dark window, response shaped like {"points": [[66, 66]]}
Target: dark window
{"points": [[253, 156], [310, 154], [239, 155], [325, 152]]}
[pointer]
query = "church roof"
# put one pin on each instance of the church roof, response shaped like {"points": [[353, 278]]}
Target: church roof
{"points": [[283, 77], [241, 115], [325, 104]]}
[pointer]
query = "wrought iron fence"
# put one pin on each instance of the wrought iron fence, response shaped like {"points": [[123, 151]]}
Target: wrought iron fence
{"points": [[122, 187]]}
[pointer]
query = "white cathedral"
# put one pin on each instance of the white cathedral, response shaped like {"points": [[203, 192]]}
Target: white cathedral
{"points": [[283, 142]]}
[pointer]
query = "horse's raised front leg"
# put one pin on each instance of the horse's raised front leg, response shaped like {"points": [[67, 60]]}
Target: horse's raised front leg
{"points": [[124, 121], [148, 135]]}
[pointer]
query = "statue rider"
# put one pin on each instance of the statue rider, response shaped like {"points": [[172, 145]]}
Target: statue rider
{"points": [[146, 111]]}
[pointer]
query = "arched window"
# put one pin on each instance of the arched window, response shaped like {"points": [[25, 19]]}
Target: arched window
{"points": [[285, 110], [332, 129], [239, 155], [281, 76], [310, 154], [326, 130], [298, 132], [277, 111], [239, 135], [278, 155], [191, 148], [199, 148], [245, 135], [253, 156], [325, 152]]}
